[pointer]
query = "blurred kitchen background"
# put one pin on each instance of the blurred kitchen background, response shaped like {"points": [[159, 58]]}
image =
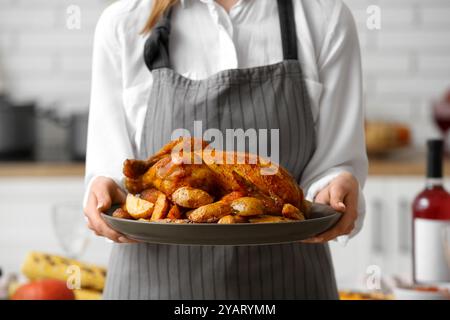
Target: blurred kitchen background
{"points": [[45, 66]]}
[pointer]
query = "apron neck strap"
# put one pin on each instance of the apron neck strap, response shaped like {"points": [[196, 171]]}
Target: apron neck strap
{"points": [[156, 50], [288, 29]]}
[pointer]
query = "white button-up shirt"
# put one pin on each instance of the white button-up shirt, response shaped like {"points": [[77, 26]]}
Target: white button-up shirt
{"points": [[205, 39]]}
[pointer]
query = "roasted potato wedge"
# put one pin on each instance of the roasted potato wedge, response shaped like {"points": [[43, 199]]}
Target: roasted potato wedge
{"points": [[232, 219], [161, 207], [229, 219], [121, 213], [247, 206], [267, 218], [291, 212], [209, 213], [191, 198], [138, 208], [174, 212], [230, 197], [240, 219], [150, 195]]}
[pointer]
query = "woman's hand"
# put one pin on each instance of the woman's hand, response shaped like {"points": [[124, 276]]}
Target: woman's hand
{"points": [[103, 193], [342, 195]]}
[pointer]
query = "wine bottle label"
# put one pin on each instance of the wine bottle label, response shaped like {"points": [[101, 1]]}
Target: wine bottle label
{"points": [[431, 262]]}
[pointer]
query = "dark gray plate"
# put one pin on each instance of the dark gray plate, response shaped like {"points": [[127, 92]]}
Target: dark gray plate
{"points": [[322, 218]]}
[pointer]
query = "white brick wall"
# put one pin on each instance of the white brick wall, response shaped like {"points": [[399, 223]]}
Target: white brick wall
{"points": [[406, 63], [40, 58]]}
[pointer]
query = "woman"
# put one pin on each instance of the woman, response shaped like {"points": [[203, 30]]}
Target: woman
{"points": [[292, 65]]}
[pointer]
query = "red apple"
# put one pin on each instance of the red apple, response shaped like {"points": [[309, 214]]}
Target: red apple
{"points": [[47, 289]]}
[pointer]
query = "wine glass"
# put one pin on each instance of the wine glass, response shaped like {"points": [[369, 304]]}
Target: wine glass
{"points": [[70, 228], [441, 114]]}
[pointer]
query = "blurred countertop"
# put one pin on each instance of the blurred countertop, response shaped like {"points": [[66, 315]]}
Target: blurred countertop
{"points": [[405, 163], [41, 169]]}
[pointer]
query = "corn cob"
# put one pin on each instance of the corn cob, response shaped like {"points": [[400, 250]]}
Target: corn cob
{"points": [[40, 265]]}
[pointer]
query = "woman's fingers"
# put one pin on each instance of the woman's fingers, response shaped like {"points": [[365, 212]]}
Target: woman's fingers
{"points": [[100, 228], [96, 223], [104, 200], [323, 197], [119, 195], [344, 226], [341, 195], [337, 197]]}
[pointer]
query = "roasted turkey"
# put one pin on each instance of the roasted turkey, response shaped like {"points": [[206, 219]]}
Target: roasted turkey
{"points": [[216, 186]]}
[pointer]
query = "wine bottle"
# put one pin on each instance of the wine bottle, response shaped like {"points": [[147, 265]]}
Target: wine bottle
{"points": [[431, 214]]}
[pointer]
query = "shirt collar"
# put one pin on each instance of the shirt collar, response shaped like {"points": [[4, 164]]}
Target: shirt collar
{"points": [[183, 2]]}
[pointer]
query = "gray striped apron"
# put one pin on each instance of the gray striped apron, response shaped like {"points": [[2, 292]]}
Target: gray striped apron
{"points": [[267, 97]]}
